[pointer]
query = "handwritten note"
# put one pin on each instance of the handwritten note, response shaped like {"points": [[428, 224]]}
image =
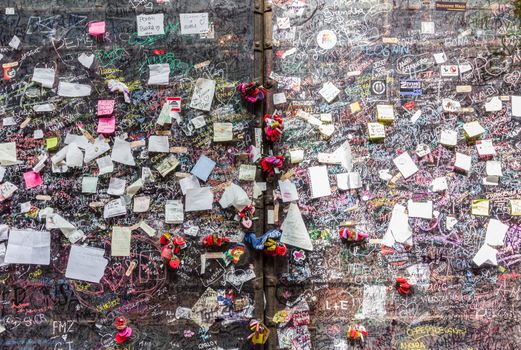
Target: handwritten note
{"points": [[120, 244], [203, 94], [150, 24], [194, 23]]}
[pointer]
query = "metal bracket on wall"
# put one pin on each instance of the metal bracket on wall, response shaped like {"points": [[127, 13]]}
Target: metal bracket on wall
{"points": [[270, 263], [258, 51]]}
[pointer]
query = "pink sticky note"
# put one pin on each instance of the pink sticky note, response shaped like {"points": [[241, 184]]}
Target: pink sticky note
{"points": [[105, 107], [32, 179], [96, 28], [106, 125]]}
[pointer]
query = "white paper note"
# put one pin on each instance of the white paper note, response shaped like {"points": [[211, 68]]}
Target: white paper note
{"points": [[319, 181], [114, 208], [348, 181], [117, 186], [73, 90], [405, 165], [28, 247], [194, 23], [198, 199], [120, 243], [294, 230], [86, 264], [496, 231], [122, 152], [158, 144], [236, 196], [202, 97], [329, 92], [494, 104], [86, 60], [516, 106], [150, 24], [44, 76], [105, 165], [486, 254], [159, 74], [420, 209], [8, 153], [288, 191], [189, 182], [174, 212]]}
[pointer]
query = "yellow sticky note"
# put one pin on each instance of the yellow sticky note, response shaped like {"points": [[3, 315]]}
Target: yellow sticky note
{"points": [[355, 107], [376, 131], [515, 207], [52, 143], [480, 207]]}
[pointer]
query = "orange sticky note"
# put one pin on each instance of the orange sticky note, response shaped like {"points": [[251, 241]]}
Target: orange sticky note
{"points": [[106, 125], [32, 179], [96, 28], [105, 107]]}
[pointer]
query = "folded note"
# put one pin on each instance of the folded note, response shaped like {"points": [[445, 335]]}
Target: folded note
{"points": [[198, 199], [28, 247]]}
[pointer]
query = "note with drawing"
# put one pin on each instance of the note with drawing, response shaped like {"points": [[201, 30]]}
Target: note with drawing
{"points": [[202, 97]]}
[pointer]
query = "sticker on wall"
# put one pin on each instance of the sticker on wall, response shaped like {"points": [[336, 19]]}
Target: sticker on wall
{"points": [[326, 39], [378, 88]]}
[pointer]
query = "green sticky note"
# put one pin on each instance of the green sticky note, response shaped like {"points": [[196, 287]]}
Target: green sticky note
{"points": [[52, 143]]}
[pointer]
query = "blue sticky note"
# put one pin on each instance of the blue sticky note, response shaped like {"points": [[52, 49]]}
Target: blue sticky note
{"points": [[203, 168]]}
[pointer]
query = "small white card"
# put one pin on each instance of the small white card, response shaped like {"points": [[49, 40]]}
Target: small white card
{"points": [[329, 92], [204, 92], [279, 98], [152, 24], [288, 190], [420, 209], [174, 213]]}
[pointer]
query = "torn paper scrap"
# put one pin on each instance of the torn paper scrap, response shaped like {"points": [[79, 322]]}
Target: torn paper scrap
{"points": [[202, 97], [122, 153], [405, 164], [319, 181], [236, 196]]}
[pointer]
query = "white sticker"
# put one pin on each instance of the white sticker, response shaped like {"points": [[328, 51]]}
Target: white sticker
{"points": [[326, 39]]}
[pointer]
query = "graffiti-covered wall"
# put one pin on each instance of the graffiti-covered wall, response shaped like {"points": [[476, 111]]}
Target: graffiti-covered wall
{"points": [[120, 122], [401, 131]]}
